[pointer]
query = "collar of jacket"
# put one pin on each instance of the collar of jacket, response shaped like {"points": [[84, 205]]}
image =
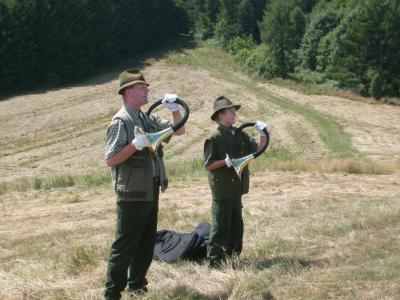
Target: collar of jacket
{"points": [[229, 130]]}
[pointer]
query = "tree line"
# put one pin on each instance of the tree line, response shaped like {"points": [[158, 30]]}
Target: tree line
{"points": [[350, 44], [50, 42]]}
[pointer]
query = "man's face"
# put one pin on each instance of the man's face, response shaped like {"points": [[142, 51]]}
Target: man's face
{"points": [[139, 93], [228, 116]]}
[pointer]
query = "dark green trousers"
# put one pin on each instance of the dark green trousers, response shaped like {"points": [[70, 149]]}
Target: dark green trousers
{"points": [[132, 251], [226, 235]]}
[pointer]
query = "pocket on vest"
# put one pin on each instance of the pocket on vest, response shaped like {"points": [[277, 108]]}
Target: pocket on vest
{"points": [[133, 182], [225, 188], [139, 160]]}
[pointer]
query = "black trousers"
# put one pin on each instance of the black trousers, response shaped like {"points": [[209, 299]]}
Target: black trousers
{"points": [[132, 251]]}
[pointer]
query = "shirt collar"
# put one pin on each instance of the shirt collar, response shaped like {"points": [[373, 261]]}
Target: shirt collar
{"points": [[133, 112], [227, 129]]}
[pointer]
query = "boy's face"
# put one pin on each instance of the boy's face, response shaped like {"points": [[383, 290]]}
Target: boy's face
{"points": [[228, 116]]}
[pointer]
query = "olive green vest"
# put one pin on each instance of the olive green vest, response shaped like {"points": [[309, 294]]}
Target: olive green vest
{"points": [[133, 179], [224, 182]]}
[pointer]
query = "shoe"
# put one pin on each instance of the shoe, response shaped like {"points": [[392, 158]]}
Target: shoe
{"points": [[215, 265], [137, 292]]}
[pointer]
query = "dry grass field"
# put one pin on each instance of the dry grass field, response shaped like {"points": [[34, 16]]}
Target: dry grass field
{"points": [[322, 219]]}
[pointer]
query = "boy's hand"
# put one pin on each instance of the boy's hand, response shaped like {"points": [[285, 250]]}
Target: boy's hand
{"points": [[260, 126], [228, 161]]}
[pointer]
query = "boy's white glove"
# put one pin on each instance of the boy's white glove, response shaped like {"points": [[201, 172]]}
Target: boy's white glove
{"points": [[260, 126], [140, 141], [169, 102], [228, 161]]}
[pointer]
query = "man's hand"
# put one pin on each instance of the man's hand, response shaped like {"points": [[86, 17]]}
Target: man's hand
{"points": [[169, 102], [228, 161], [140, 141], [260, 126]]}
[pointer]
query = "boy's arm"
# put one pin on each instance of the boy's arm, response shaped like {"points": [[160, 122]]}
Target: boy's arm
{"points": [[209, 154]]}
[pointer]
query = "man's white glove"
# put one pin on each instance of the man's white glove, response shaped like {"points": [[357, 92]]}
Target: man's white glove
{"points": [[228, 161], [260, 126], [140, 141], [169, 102]]}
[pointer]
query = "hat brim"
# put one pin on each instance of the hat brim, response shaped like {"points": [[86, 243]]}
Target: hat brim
{"points": [[214, 115], [121, 88]]}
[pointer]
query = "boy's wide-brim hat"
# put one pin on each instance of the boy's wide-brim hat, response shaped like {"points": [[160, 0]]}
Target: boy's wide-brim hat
{"points": [[222, 103], [130, 77]]}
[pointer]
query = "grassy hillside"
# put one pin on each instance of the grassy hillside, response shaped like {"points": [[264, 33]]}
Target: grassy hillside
{"points": [[321, 219]]}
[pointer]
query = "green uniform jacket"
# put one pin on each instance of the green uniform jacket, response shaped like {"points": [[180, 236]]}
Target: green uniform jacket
{"points": [[224, 182]]}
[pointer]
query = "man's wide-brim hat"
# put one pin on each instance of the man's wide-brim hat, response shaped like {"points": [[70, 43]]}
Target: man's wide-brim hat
{"points": [[222, 103], [130, 77]]}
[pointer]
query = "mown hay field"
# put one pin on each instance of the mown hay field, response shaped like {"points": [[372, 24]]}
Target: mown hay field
{"points": [[322, 218]]}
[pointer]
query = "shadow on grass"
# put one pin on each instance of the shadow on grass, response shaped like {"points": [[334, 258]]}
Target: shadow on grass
{"points": [[186, 292], [283, 262]]}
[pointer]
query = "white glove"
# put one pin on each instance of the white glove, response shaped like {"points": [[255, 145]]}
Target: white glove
{"points": [[140, 141], [169, 102], [260, 126], [228, 161]]}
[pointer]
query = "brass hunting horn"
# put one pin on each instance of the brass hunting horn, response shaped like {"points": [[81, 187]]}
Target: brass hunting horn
{"points": [[156, 138], [240, 163]]}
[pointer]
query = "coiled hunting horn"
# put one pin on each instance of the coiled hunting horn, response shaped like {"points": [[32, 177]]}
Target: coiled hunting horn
{"points": [[156, 138], [240, 163]]}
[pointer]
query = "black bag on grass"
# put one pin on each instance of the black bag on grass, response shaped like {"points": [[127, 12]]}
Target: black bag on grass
{"points": [[171, 246]]}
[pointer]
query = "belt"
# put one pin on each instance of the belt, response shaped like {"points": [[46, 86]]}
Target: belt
{"points": [[134, 194]]}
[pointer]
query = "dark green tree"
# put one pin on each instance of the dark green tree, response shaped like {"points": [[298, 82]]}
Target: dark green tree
{"points": [[166, 23], [22, 45], [228, 25], [371, 47], [321, 24], [308, 5], [5, 47], [258, 10], [202, 16], [281, 30], [101, 18], [246, 18]]}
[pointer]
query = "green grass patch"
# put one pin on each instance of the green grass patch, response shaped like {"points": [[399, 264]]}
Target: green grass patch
{"points": [[285, 160], [3, 188], [54, 182], [279, 153], [308, 88], [193, 168], [351, 166], [79, 258]]}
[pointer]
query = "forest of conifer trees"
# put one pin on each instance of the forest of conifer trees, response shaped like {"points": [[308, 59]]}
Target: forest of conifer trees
{"points": [[50, 42], [347, 44]]}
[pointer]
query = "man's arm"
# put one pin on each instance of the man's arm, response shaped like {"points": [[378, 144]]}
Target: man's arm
{"points": [[117, 150], [121, 156], [261, 142]]}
